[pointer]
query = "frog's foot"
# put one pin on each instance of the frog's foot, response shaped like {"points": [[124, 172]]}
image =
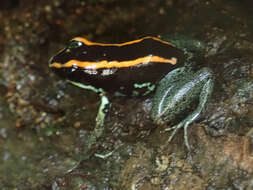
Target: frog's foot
{"points": [[175, 128], [106, 155]]}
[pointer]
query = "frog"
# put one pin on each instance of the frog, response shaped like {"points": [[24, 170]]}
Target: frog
{"points": [[168, 69]]}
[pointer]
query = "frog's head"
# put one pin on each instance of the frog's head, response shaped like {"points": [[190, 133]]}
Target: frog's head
{"points": [[65, 63]]}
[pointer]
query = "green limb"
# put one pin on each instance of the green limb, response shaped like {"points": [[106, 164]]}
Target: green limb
{"points": [[102, 108], [204, 96], [87, 87], [99, 128]]}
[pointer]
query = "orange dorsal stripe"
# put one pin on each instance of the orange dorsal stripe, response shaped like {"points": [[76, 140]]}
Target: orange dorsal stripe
{"points": [[89, 43], [113, 64]]}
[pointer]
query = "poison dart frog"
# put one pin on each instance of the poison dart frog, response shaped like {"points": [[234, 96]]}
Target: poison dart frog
{"points": [[137, 68]]}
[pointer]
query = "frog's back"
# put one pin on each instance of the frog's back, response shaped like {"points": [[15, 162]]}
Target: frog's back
{"points": [[117, 67]]}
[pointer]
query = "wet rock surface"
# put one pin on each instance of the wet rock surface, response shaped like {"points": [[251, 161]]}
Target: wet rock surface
{"points": [[45, 122]]}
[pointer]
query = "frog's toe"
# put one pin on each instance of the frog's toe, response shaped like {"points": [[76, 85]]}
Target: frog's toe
{"points": [[175, 129], [158, 121]]}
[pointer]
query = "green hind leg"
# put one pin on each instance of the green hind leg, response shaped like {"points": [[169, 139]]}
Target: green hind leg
{"points": [[204, 96]]}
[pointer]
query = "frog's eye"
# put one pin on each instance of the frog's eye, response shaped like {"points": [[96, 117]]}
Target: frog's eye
{"points": [[75, 44]]}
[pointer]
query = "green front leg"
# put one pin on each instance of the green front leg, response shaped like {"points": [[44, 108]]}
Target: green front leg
{"points": [[99, 128]]}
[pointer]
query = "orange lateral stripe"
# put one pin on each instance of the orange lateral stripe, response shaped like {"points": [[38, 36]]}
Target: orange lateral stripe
{"points": [[89, 43], [112, 64]]}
